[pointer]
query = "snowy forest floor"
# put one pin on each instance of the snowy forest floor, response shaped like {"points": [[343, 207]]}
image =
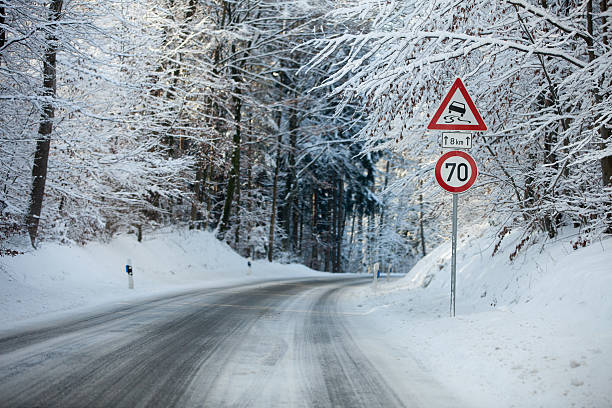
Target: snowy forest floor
{"points": [[535, 332]]}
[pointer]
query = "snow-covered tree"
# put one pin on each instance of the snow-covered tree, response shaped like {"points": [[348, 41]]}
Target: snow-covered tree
{"points": [[539, 73]]}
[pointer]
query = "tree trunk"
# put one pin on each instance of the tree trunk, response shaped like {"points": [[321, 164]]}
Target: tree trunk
{"points": [[301, 224], [275, 191], [233, 179], [238, 219], [340, 227], [2, 30], [313, 224], [333, 231], [604, 131], [295, 223], [371, 251], [273, 215], [196, 203], [290, 185], [352, 240], [249, 199], [361, 241], [606, 162], [235, 170], [421, 229], [379, 235], [43, 143]]}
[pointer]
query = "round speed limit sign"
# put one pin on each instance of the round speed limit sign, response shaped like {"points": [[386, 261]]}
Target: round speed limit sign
{"points": [[456, 171]]}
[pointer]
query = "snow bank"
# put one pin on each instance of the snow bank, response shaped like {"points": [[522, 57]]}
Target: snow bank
{"points": [[59, 278], [536, 332]]}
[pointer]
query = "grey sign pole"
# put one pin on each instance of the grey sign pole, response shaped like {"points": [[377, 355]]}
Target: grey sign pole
{"points": [[454, 256]]}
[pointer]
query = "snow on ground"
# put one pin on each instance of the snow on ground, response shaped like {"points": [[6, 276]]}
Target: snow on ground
{"points": [[58, 278], [536, 332]]}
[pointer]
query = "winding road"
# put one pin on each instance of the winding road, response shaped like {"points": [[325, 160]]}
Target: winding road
{"points": [[276, 344]]}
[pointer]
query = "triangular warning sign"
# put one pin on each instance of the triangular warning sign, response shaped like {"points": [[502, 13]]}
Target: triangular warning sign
{"points": [[457, 111]]}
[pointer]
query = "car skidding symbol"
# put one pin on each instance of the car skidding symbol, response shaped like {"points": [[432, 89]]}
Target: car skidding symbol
{"points": [[453, 109], [458, 107]]}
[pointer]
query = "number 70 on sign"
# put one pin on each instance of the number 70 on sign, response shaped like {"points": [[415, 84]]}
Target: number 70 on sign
{"points": [[456, 171]]}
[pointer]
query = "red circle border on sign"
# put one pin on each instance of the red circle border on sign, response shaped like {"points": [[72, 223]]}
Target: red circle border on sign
{"points": [[470, 182]]}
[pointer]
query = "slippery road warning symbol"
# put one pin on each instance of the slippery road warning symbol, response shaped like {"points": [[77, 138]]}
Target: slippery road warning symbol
{"points": [[457, 111]]}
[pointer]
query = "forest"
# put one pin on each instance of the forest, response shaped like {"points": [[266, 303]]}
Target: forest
{"points": [[297, 130]]}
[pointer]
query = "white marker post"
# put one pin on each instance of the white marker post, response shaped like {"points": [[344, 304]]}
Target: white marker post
{"points": [[130, 272]]}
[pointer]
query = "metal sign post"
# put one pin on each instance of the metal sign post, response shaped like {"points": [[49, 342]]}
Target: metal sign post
{"points": [[455, 172], [454, 256]]}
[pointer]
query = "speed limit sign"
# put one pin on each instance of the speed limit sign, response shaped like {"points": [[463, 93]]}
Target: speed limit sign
{"points": [[456, 171]]}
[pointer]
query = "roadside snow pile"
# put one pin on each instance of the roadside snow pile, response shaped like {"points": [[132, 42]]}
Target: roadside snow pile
{"points": [[535, 332], [61, 278]]}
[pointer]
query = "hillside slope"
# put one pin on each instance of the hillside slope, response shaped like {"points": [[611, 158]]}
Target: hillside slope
{"points": [[535, 332], [59, 278]]}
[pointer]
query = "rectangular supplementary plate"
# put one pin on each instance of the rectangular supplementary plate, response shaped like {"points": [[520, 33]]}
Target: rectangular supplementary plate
{"points": [[456, 140]]}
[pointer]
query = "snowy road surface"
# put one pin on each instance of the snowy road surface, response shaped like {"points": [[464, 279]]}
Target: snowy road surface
{"points": [[266, 345]]}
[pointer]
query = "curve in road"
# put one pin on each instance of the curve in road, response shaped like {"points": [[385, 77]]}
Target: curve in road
{"points": [[266, 345]]}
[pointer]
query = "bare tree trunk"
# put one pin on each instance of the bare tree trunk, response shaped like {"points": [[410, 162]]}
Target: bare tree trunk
{"points": [[604, 131], [352, 239], [301, 224], [43, 143], [606, 162], [370, 240], [290, 186], [249, 189], [209, 180], [314, 264], [295, 223], [196, 203], [274, 194], [232, 182], [238, 228], [381, 227], [2, 30], [361, 233], [421, 229], [333, 230], [340, 227], [235, 169]]}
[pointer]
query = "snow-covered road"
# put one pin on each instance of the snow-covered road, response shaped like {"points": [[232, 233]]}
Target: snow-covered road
{"points": [[264, 345]]}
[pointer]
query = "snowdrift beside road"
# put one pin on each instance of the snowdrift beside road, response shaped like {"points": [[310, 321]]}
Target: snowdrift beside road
{"points": [[535, 332], [550, 276], [61, 278]]}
